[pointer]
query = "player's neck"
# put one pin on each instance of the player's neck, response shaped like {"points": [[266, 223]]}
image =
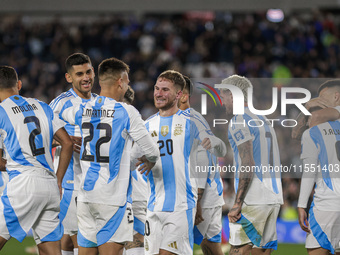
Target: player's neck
{"points": [[6, 93], [111, 93], [85, 95], [168, 112]]}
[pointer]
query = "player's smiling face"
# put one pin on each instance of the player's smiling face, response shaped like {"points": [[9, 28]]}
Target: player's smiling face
{"points": [[166, 94], [82, 78]]}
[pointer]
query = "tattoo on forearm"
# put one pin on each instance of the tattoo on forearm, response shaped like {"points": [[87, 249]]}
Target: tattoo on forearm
{"points": [[300, 127], [135, 244], [245, 178]]}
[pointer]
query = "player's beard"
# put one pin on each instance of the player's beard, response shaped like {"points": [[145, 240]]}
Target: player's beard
{"points": [[169, 104]]}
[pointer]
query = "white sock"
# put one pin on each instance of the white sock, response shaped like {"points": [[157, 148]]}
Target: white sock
{"points": [[135, 251], [75, 250], [66, 252], [124, 252]]}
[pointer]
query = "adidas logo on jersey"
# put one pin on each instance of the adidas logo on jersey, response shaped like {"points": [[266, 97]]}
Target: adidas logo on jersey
{"points": [[173, 245], [154, 134]]}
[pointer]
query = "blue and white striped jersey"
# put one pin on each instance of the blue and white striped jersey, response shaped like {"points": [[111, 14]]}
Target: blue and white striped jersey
{"points": [[321, 143], [213, 191], [266, 187], [139, 186], [172, 185], [106, 127], [73, 173], [27, 127]]}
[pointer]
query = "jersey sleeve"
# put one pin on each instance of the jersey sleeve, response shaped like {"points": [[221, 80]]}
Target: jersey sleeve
{"points": [[69, 111], [240, 133], [201, 132], [309, 155], [202, 160], [137, 128], [337, 108], [141, 136], [308, 147], [57, 123]]}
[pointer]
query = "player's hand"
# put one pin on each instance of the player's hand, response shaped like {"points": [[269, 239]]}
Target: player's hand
{"points": [[198, 218], [206, 143], [76, 143], [235, 213], [144, 165], [317, 102], [304, 224]]}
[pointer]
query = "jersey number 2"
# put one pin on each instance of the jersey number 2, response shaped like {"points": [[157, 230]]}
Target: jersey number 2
{"points": [[104, 139], [35, 151]]}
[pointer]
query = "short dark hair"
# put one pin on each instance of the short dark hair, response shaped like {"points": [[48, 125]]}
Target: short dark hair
{"points": [[329, 84], [188, 85], [8, 77], [129, 95], [175, 77], [76, 59], [112, 66]]}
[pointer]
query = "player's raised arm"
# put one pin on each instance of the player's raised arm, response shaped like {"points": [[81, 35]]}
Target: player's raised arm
{"points": [[323, 115]]}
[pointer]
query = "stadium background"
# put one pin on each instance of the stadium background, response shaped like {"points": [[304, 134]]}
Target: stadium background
{"points": [[202, 39]]}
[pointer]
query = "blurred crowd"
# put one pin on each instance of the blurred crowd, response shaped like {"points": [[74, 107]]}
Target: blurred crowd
{"points": [[200, 45]]}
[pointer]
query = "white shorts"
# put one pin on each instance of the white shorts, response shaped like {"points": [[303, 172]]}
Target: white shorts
{"points": [[171, 231], [211, 227], [257, 225], [139, 216], [99, 224], [68, 212], [325, 230], [31, 201]]}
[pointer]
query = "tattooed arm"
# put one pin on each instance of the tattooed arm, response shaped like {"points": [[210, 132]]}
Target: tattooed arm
{"points": [[246, 154], [199, 218]]}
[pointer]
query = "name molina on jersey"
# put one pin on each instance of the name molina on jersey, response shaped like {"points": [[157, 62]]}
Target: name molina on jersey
{"points": [[24, 108], [88, 112]]}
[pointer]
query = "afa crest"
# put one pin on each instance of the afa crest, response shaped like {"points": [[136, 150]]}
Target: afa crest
{"points": [[164, 130], [178, 130]]}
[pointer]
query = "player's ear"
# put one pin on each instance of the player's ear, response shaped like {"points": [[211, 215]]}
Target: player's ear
{"points": [[68, 77], [19, 85], [337, 96]]}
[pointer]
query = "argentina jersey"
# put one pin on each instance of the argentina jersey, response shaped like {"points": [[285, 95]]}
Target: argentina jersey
{"points": [[106, 126], [139, 186], [213, 192], [35, 123], [172, 187], [72, 176], [322, 143], [266, 185]]}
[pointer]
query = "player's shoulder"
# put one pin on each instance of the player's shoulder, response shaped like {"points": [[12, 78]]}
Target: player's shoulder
{"points": [[62, 98], [152, 117]]}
